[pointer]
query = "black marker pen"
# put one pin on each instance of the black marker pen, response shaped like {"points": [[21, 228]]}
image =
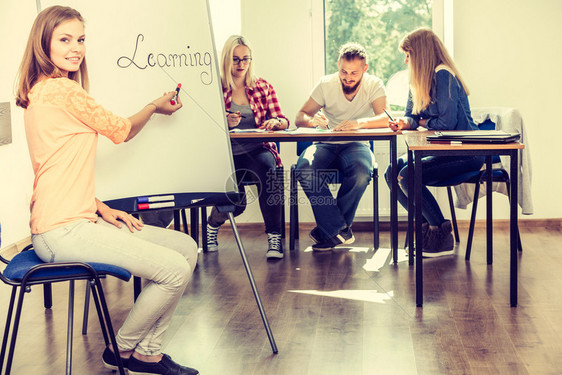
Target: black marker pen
{"points": [[234, 113], [389, 116], [173, 100]]}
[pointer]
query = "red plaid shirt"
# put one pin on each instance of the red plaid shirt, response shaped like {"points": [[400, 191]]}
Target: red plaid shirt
{"points": [[264, 104]]}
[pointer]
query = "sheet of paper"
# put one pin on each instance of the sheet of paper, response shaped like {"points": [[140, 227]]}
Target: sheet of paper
{"points": [[298, 131], [247, 130]]}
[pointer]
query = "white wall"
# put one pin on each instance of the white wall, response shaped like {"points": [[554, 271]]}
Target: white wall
{"points": [[509, 52], [226, 19], [16, 177]]}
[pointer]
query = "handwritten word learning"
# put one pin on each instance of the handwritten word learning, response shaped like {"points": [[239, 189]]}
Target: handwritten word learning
{"points": [[168, 60]]}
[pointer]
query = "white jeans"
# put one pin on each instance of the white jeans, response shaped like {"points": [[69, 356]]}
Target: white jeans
{"points": [[165, 257]]}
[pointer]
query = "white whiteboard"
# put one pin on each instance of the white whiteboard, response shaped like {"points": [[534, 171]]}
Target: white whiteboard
{"points": [[135, 51]]}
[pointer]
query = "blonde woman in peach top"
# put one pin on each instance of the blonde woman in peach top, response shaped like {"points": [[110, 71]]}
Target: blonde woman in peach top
{"points": [[68, 223]]}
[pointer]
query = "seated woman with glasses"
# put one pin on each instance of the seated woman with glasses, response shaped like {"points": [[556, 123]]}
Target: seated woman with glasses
{"points": [[251, 102]]}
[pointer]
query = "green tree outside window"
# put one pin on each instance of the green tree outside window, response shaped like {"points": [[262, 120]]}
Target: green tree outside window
{"points": [[378, 25]]}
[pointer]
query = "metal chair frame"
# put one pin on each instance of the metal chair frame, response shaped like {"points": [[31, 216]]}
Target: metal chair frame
{"points": [[45, 274]]}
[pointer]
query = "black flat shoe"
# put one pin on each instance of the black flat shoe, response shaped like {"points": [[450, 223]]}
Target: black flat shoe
{"points": [[165, 367], [108, 359]]}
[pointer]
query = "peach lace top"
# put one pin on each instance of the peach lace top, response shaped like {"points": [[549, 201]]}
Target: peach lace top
{"points": [[62, 123]]}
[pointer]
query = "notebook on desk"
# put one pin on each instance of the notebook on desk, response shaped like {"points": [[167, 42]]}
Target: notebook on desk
{"points": [[475, 136]]}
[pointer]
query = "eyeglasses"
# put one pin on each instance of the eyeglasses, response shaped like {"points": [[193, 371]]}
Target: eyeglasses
{"points": [[245, 60]]}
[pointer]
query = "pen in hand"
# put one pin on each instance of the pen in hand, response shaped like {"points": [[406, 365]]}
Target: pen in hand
{"points": [[234, 113], [389, 116]]}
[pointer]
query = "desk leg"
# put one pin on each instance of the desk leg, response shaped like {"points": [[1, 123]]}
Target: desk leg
{"points": [[394, 200], [411, 190], [252, 282], [489, 216], [418, 231], [514, 231]]}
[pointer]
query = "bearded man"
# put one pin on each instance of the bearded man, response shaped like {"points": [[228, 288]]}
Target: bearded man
{"points": [[350, 99]]}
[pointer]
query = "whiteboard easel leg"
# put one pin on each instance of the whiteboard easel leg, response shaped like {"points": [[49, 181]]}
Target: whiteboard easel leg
{"points": [[252, 283]]}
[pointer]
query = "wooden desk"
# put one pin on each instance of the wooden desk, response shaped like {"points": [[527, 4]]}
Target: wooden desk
{"points": [[358, 135], [419, 147]]}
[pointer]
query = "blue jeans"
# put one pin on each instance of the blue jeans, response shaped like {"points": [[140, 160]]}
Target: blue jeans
{"points": [[259, 166], [435, 169], [319, 165]]}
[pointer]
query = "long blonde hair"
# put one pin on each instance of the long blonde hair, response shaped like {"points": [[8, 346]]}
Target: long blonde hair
{"points": [[426, 53], [36, 60], [226, 67]]}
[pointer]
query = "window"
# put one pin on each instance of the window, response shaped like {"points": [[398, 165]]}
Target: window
{"points": [[378, 25]]}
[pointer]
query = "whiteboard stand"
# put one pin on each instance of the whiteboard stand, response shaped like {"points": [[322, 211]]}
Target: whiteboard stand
{"points": [[230, 209]]}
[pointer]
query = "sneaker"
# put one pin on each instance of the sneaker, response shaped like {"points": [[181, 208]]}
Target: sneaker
{"points": [[439, 242], [108, 359], [315, 235], [165, 367], [344, 237], [347, 236], [212, 242], [275, 250]]}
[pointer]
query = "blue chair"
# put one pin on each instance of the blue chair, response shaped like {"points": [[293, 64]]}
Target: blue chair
{"points": [[26, 270], [477, 178], [294, 199]]}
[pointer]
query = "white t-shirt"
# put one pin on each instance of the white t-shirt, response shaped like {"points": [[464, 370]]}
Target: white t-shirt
{"points": [[329, 94]]}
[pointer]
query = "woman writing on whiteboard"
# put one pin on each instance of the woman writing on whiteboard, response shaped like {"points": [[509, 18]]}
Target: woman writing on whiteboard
{"points": [[251, 103], [437, 101], [68, 223]]}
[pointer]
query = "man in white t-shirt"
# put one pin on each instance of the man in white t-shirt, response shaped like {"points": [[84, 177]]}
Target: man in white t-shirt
{"points": [[350, 99]]}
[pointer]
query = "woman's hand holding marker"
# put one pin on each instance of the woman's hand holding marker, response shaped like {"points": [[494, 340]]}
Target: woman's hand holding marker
{"points": [[168, 103]]}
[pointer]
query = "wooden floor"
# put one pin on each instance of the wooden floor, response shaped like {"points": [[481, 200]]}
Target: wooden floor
{"points": [[341, 312]]}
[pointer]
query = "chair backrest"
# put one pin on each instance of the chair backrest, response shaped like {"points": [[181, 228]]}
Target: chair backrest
{"points": [[489, 125], [301, 146]]}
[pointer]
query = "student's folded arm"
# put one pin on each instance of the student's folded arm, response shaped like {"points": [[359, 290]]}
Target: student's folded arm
{"points": [[306, 114], [380, 120]]}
